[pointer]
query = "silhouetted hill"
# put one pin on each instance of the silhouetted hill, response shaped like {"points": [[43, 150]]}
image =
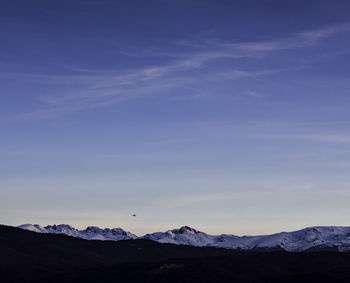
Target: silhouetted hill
{"points": [[31, 257]]}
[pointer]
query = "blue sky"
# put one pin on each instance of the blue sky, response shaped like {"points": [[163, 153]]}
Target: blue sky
{"points": [[228, 116]]}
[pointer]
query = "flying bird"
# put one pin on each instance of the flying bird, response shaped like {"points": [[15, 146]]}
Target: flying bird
{"points": [[134, 215]]}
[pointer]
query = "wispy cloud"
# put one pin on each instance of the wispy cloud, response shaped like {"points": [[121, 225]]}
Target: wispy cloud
{"points": [[256, 94], [171, 141], [298, 40], [200, 62], [320, 138]]}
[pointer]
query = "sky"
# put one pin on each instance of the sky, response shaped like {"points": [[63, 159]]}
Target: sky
{"points": [[226, 116]]}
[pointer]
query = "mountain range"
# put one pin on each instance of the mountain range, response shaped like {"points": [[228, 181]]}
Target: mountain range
{"points": [[28, 257], [312, 238]]}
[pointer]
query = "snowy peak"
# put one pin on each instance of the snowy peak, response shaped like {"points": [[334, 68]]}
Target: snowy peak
{"points": [[187, 230], [301, 240], [61, 228], [35, 228], [115, 234], [183, 236], [93, 229], [333, 237], [90, 233]]}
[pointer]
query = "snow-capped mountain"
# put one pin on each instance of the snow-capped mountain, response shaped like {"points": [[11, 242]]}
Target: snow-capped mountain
{"points": [[309, 238], [90, 233], [183, 236], [301, 240]]}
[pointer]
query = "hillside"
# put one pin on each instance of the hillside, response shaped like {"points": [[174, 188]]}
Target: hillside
{"points": [[32, 257]]}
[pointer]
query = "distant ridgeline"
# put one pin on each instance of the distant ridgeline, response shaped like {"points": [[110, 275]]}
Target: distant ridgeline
{"points": [[308, 239]]}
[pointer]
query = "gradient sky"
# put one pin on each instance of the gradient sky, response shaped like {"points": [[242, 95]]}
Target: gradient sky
{"points": [[227, 116]]}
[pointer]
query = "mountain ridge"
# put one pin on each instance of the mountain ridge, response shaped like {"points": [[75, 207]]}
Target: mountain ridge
{"points": [[310, 238]]}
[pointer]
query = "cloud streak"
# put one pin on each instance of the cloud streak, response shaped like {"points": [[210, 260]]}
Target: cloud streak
{"points": [[345, 139], [184, 72]]}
